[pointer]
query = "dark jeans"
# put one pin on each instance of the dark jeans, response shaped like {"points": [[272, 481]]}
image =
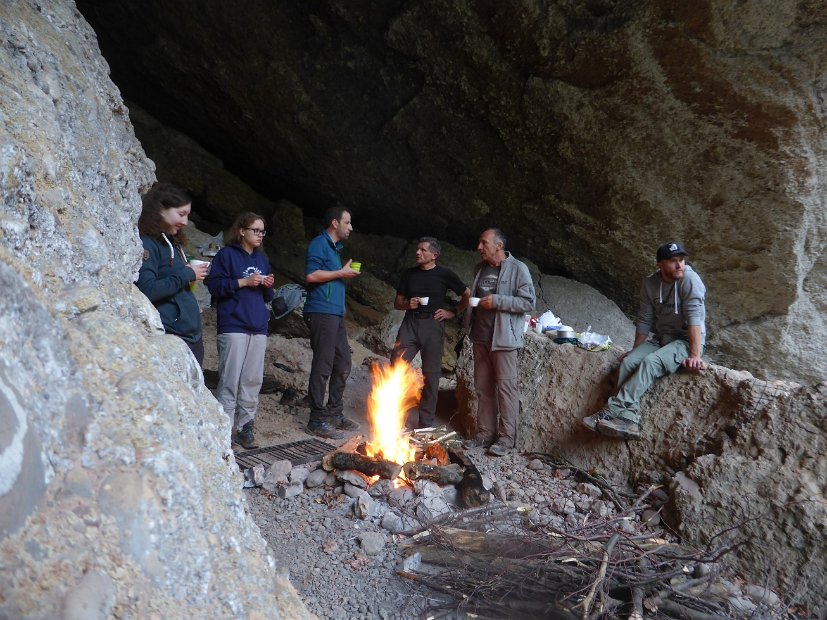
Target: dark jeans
{"points": [[423, 335], [330, 368], [197, 349]]}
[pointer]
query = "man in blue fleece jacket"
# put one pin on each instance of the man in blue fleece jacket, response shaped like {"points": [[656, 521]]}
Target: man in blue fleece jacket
{"points": [[324, 312], [672, 307]]}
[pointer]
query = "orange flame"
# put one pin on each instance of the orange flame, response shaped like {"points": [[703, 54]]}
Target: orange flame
{"points": [[396, 388]]}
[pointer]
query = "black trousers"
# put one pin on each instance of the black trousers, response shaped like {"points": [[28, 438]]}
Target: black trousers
{"points": [[330, 368], [423, 335]]}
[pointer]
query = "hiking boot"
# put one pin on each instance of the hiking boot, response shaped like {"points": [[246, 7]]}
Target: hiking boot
{"points": [[501, 448], [246, 436], [478, 441], [619, 427], [346, 424], [324, 429], [591, 421]]}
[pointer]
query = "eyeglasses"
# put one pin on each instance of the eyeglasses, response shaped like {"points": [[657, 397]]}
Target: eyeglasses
{"points": [[257, 231]]}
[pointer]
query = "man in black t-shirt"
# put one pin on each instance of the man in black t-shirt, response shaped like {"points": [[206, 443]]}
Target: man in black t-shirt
{"points": [[421, 293]]}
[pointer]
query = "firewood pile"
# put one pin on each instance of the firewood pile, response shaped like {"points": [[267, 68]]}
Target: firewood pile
{"points": [[493, 564]]}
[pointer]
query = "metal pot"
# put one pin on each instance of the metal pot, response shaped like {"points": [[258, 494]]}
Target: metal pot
{"points": [[565, 333]]}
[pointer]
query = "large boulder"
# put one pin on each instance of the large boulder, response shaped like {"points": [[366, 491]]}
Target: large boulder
{"points": [[119, 494], [740, 456]]}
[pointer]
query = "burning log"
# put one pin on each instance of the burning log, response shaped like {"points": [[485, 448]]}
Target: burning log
{"points": [[367, 465], [441, 474]]}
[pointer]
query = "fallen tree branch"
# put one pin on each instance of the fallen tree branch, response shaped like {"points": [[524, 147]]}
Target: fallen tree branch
{"points": [[587, 602]]}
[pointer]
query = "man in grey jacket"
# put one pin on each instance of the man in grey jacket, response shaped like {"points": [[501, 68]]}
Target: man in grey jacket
{"points": [[506, 294], [672, 308]]}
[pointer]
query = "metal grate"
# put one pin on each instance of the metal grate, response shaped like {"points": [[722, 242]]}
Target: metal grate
{"points": [[297, 452]]}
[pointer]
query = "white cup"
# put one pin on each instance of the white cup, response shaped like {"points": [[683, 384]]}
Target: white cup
{"points": [[474, 302], [423, 301], [195, 262]]}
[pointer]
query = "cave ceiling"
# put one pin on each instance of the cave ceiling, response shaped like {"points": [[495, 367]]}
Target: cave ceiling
{"points": [[589, 131]]}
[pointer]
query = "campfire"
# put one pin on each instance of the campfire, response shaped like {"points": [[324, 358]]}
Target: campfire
{"points": [[396, 389], [393, 452]]}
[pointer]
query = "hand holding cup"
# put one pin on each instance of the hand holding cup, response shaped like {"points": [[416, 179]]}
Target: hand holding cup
{"points": [[200, 268], [351, 269]]}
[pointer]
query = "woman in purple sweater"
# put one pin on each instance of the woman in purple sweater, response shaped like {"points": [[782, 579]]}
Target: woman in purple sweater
{"points": [[241, 284]]}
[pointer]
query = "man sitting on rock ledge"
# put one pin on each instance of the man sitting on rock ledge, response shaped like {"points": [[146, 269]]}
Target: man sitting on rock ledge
{"points": [[672, 307]]}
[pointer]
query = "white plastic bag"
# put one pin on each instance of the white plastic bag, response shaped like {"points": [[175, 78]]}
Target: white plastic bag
{"points": [[547, 320], [593, 342]]}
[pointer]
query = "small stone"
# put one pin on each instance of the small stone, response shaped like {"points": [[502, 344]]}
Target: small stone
{"points": [[411, 563], [353, 477], [392, 522], [299, 474], [364, 507], [315, 478], [589, 489], [650, 517], [372, 542], [400, 497], [600, 508], [450, 494], [280, 469], [427, 488], [563, 506], [381, 488], [536, 465], [290, 490], [499, 492], [353, 491], [432, 507], [253, 476]]}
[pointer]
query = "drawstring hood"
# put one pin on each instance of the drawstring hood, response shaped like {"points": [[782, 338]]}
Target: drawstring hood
{"points": [[172, 251], [674, 289]]}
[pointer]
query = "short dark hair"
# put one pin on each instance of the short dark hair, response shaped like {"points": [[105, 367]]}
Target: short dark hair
{"points": [[433, 244], [334, 212], [499, 236], [161, 196]]}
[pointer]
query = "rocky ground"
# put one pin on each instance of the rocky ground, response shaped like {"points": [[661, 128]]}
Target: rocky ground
{"points": [[343, 554]]}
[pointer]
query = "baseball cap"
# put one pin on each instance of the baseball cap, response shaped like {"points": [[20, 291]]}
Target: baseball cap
{"points": [[669, 249]]}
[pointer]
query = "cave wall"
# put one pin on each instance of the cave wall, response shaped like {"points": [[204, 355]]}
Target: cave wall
{"points": [[119, 494], [589, 131]]}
